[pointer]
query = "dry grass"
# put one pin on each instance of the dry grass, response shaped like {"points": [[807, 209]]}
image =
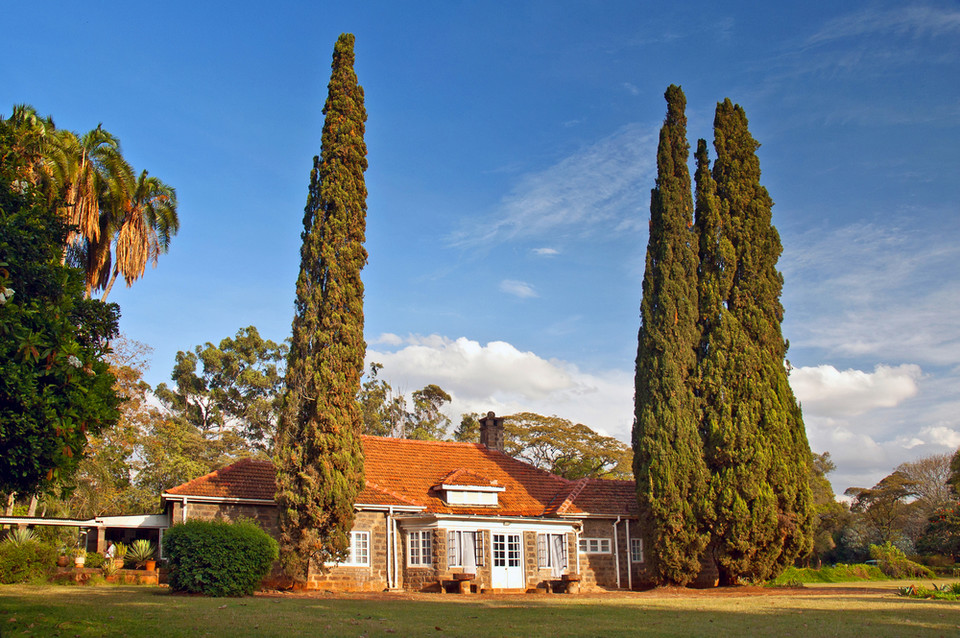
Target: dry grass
{"points": [[831, 610]]}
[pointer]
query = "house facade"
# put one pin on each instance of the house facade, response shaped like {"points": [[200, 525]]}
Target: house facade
{"points": [[450, 516]]}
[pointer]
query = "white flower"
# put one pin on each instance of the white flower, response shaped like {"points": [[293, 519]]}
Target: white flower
{"points": [[72, 360], [8, 292]]}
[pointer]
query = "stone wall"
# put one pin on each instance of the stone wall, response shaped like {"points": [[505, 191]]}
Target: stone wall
{"points": [[600, 570], [265, 515], [372, 577]]}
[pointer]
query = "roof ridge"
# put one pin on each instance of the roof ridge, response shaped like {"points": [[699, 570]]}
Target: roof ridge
{"points": [[424, 442]]}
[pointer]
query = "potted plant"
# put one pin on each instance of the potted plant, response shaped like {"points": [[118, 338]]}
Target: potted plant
{"points": [[79, 557], [119, 555], [141, 553]]}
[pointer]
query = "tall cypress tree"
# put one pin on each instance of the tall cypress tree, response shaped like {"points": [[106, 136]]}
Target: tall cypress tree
{"points": [[668, 455], [755, 443], [319, 457]]}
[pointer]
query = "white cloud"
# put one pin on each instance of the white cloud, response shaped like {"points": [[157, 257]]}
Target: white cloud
{"points": [[545, 252], [824, 390], [497, 376], [596, 187], [388, 338], [517, 288], [918, 21], [876, 292]]}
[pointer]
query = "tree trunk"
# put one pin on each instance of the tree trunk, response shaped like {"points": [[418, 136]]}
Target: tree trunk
{"points": [[8, 510], [113, 278]]}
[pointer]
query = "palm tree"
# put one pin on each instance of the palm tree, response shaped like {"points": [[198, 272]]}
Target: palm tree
{"points": [[143, 223], [93, 169], [34, 139]]}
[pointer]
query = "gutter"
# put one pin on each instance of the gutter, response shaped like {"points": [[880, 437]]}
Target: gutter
{"points": [[616, 550]]}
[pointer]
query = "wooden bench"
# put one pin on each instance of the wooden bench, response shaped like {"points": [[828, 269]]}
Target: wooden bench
{"points": [[566, 584], [458, 584]]}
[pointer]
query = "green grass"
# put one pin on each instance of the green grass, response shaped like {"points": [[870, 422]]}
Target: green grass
{"points": [[147, 612], [835, 574]]}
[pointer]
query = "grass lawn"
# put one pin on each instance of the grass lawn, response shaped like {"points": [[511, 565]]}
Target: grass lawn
{"points": [[861, 609]]}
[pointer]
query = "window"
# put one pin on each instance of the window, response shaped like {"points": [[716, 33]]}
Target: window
{"points": [[552, 552], [464, 549], [636, 550], [359, 549], [420, 548], [595, 545]]}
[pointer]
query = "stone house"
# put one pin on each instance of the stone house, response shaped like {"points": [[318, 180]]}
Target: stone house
{"points": [[452, 516]]}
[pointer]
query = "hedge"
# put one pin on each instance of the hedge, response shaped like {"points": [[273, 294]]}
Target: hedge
{"points": [[218, 558], [21, 563]]}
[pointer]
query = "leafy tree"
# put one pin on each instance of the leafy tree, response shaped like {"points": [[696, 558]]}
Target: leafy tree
{"points": [[384, 411], [954, 478], [942, 535], [755, 443], [567, 449], [469, 429], [886, 507], [930, 476], [832, 516], [668, 456], [319, 456], [107, 480], [571, 450], [237, 387], [427, 422], [55, 388]]}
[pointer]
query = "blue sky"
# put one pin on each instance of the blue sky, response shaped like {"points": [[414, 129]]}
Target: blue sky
{"points": [[511, 151]]}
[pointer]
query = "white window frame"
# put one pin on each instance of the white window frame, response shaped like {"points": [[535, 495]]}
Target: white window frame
{"points": [[455, 547], [595, 545], [420, 548], [359, 550], [545, 556], [636, 550]]}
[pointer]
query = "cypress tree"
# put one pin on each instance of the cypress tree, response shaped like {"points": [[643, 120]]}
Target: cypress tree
{"points": [[319, 457], [755, 444], [668, 456]]}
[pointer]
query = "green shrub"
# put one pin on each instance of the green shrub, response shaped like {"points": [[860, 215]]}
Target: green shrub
{"points": [[94, 560], [19, 536], [895, 564], [217, 558], [140, 551], [834, 574], [21, 563]]}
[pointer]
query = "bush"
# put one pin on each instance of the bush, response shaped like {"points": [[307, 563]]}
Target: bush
{"points": [[21, 563], [94, 560], [834, 574], [217, 558], [895, 564]]}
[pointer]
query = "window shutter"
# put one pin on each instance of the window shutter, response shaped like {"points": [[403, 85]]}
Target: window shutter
{"points": [[542, 555], [452, 547], [481, 554]]}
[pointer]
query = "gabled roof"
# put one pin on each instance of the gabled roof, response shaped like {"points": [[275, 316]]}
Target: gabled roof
{"points": [[602, 497], [402, 472], [246, 479], [463, 476]]}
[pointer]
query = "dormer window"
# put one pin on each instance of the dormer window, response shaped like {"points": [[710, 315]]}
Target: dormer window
{"points": [[474, 495], [463, 488]]}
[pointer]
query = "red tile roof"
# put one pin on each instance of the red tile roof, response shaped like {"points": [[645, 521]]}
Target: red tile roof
{"points": [[403, 472], [247, 478]]}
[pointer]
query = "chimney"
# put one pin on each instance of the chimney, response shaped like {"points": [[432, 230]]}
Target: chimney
{"points": [[491, 431]]}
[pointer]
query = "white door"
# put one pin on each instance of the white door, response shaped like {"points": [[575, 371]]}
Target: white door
{"points": [[507, 562]]}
